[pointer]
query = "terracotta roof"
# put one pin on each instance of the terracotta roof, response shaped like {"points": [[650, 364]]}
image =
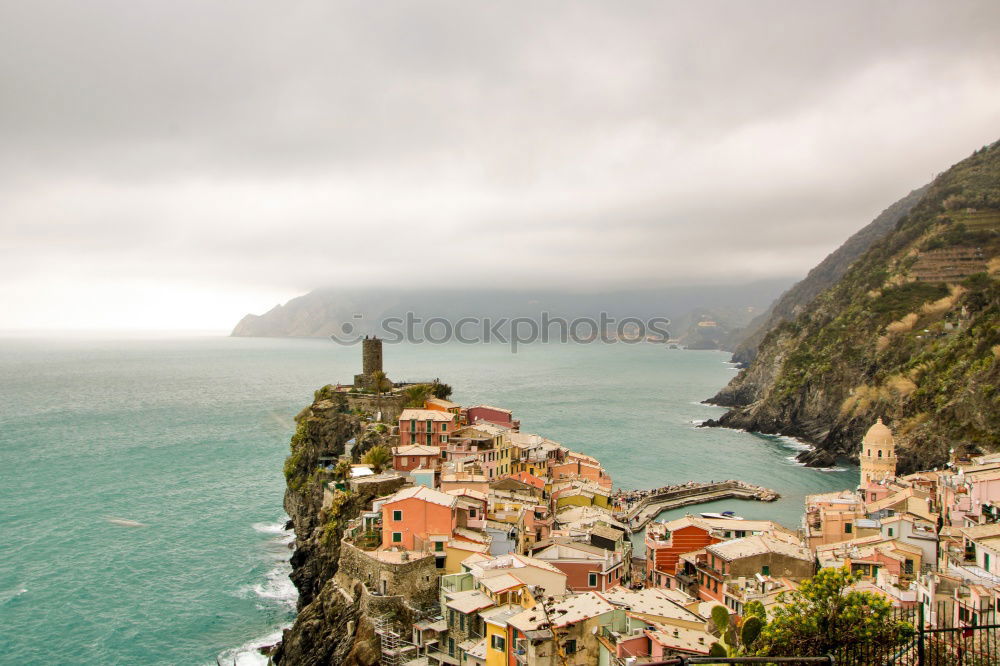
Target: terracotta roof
{"points": [[468, 601], [578, 607], [981, 531], [441, 402], [758, 545], [422, 493], [416, 450], [498, 409], [501, 582], [425, 415], [650, 601], [682, 638]]}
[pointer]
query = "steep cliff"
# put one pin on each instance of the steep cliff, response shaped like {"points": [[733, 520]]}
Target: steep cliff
{"points": [[911, 332], [791, 303], [333, 623]]}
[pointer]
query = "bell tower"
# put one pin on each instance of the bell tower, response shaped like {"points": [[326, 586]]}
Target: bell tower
{"points": [[878, 454]]}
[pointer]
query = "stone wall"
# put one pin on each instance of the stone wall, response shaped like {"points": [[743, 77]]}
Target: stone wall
{"points": [[390, 404], [415, 580]]}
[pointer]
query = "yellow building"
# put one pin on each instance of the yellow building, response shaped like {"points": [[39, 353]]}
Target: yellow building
{"points": [[498, 643], [878, 454]]}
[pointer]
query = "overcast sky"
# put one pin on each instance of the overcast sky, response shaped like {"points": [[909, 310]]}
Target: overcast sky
{"points": [[177, 164]]}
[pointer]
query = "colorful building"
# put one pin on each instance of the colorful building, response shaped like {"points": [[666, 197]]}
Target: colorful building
{"points": [[419, 518], [413, 456], [428, 427]]}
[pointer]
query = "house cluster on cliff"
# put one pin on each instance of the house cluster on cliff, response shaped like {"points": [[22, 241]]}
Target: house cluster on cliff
{"points": [[482, 522], [509, 548]]}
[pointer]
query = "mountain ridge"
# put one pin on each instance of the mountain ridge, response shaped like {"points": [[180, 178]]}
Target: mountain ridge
{"points": [[910, 333]]}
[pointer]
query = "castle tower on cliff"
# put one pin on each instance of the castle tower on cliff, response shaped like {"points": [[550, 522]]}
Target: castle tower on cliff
{"points": [[371, 361], [371, 355], [878, 454]]}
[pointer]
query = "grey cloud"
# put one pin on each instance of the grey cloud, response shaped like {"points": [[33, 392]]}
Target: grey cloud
{"points": [[258, 144]]}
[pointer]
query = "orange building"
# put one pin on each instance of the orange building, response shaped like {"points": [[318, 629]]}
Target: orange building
{"points": [[442, 405], [419, 518]]}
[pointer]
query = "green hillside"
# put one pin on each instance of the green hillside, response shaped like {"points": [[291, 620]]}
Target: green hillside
{"points": [[911, 333]]}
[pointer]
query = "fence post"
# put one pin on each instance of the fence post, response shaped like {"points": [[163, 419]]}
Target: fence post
{"points": [[920, 634]]}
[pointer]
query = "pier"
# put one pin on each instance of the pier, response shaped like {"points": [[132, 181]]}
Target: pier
{"points": [[637, 508]]}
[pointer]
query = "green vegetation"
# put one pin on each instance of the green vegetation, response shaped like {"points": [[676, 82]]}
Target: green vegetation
{"points": [[342, 471], [737, 637], [880, 343], [378, 457], [442, 391], [896, 302], [417, 395], [296, 463], [822, 617]]}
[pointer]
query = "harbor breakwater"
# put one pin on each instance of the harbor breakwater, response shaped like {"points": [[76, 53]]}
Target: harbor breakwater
{"points": [[636, 508]]}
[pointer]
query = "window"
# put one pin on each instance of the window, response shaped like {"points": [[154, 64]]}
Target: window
{"points": [[430, 426], [397, 515], [439, 562], [908, 565], [880, 453], [592, 580], [766, 570], [413, 425], [461, 623], [444, 427], [451, 647], [439, 546], [498, 643], [444, 439], [472, 513], [890, 531], [397, 537], [402, 460], [848, 528], [571, 646], [986, 562]]}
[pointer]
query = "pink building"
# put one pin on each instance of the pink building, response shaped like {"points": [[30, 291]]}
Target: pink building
{"points": [[428, 427]]}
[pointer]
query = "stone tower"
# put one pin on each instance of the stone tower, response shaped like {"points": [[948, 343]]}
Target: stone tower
{"points": [[878, 454], [371, 355]]}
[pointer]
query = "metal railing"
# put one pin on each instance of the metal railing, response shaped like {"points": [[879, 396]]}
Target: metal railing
{"points": [[683, 661]]}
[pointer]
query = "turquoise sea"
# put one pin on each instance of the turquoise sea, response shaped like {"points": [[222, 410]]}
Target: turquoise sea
{"points": [[140, 502]]}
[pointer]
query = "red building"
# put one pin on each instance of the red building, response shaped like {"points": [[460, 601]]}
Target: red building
{"points": [[498, 415], [666, 542], [587, 568]]}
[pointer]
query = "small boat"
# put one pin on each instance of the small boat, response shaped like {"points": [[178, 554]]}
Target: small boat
{"points": [[725, 515]]}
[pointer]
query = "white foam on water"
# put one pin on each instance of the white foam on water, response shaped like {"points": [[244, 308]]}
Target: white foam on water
{"points": [[698, 421], [270, 528], [11, 594], [277, 586], [249, 654], [793, 443]]}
